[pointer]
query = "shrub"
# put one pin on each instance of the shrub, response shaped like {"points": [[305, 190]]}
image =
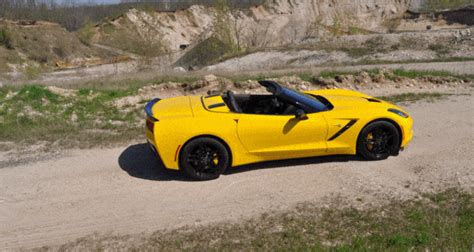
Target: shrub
{"points": [[86, 33], [5, 39], [209, 51], [32, 71], [439, 48]]}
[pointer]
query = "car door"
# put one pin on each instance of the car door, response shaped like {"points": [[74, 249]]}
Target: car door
{"points": [[283, 136]]}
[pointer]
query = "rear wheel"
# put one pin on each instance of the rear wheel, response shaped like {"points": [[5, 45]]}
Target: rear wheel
{"points": [[378, 141], [204, 159]]}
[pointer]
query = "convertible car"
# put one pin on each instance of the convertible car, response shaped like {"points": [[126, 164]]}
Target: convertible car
{"points": [[202, 136]]}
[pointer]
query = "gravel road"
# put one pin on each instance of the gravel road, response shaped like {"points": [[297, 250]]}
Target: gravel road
{"points": [[124, 190]]}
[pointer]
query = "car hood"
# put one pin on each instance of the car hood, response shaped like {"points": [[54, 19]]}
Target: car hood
{"points": [[348, 99], [339, 101]]}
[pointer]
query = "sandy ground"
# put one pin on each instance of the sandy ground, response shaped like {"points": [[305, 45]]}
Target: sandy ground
{"points": [[125, 191]]}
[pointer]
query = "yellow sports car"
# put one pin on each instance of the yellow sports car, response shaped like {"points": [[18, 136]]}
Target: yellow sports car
{"points": [[202, 136]]}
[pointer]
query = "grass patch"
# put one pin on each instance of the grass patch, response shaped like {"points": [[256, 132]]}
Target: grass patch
{"points": [[333, 74], [135, 82], [417, 74], [372, 46], [32, 71], [8, 56], [439, 49], [412, 74], [357, 52], [33, 113], [440, 222], [353, 30], [365, 61]]}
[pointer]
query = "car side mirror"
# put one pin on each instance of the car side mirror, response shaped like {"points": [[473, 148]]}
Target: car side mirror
{"points": [[300, 114]]}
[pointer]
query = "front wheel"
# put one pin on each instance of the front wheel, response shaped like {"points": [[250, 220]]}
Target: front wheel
{"points": [[204, 159], [378, 141]]}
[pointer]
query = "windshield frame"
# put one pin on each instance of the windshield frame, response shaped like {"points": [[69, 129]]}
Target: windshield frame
{"points": [[307, 102]]}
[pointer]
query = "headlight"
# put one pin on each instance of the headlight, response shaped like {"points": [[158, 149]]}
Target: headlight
{"points": [[398, 112]]}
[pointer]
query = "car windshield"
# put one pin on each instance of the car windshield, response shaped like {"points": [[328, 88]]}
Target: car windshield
{"points": [[311, 104]]}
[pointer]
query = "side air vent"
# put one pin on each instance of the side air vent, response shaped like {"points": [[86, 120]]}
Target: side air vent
{"points": [[373, 100]]}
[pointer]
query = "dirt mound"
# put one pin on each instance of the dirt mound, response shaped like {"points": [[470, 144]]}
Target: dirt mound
{"points": [[382, 79]]}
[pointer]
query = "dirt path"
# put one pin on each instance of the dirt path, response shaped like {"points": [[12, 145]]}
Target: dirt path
{"points": [[461, 67], [127, 70], [122, 190], [117, 51]]}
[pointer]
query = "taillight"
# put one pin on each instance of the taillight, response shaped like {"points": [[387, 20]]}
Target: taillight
{"points": [[150, 125]]}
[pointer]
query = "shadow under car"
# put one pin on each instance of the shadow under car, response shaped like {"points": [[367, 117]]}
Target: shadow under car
{"points": [[140, 161]]}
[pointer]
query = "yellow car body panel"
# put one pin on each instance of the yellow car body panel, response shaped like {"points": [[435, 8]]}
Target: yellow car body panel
{"points": [[254, 138], [348, 105]]}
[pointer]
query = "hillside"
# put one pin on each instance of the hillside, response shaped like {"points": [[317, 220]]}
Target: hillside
{"points": [[325, 32], [30, 47], [271, 24]]}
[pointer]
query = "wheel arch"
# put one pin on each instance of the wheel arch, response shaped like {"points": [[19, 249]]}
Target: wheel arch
{"points": [[229, 150], [399, 129]]}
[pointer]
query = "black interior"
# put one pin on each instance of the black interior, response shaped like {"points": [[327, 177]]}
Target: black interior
{"points": [[259, 104]]}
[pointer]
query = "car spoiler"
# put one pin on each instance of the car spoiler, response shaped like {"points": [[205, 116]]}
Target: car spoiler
{"points": [[149, 106]]}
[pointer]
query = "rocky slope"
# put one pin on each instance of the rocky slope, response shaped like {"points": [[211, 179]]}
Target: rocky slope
{"points": [[318, 25], [274, 23]]}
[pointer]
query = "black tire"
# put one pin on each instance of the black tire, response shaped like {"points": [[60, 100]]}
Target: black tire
{"points": [[378, 141], [204, 158]]}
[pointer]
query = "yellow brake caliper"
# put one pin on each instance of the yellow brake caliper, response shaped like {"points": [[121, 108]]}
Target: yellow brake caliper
{"points": [[370, 137], [215, 159]]}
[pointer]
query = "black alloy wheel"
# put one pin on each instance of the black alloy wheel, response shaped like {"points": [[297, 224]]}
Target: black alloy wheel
{"points": [[378, 141], [204, 159]]}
